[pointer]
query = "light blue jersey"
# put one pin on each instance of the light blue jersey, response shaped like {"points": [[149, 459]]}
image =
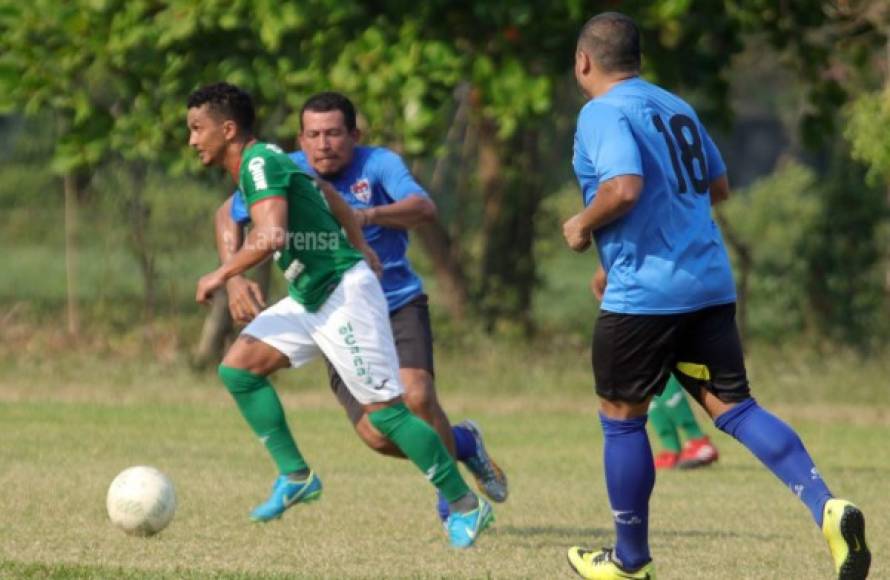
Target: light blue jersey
{"points": [[666, 255], [376, 176]]}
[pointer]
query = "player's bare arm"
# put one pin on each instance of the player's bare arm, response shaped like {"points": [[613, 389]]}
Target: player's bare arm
{"points": [[346, 218], [268, 234], [245, 296], [404, 214], [613, 199], [719, 189]]}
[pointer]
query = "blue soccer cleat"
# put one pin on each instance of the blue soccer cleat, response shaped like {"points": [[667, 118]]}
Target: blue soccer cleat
{"points": [[490, 479], [464, 529], [285, 493]]}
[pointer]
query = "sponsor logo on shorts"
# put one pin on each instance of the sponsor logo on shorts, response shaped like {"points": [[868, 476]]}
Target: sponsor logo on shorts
{"points": [[362, 368]]}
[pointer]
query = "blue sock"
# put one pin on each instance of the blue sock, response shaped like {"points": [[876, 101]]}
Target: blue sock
{"points": [[778, 447], [630, 477], [442, 507], [464, 442]]}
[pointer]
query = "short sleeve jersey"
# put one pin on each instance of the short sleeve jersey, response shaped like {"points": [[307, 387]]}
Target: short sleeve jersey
{"points": [[316, 253], [376, 176], [666, 255]]}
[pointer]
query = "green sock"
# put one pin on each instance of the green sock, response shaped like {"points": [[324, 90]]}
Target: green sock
{"points": [[260, 406], [422, 445], [677, 406], [663, 426]]}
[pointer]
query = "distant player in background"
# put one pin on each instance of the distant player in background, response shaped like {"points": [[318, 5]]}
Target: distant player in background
{"points": [[649, 173], [335, 306], [669, 414], [386, 201]]}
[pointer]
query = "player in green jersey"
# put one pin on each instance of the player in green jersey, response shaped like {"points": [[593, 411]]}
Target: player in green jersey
{"points": [[335, 306]]}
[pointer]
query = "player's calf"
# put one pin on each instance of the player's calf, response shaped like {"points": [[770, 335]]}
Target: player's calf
{"points": [[420, 443]]}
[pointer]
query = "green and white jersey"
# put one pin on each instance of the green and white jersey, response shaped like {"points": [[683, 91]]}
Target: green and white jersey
{"points": [[317, 252]]}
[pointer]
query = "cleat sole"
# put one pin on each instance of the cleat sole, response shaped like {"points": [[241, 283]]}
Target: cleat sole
{"points": [[857, 563]]}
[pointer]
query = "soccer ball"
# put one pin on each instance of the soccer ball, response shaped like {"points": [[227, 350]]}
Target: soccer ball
{"points": [[141, 501]]}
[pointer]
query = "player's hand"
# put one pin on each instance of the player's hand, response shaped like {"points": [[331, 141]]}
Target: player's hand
{"points": [[598, 283], [245, 299], [362, 217], [372, 260], [207, 285], [576, 234]]}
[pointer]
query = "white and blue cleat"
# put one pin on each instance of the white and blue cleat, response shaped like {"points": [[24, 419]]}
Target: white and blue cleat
{"points": [[285, 493], [490, 479], [464, 529]]}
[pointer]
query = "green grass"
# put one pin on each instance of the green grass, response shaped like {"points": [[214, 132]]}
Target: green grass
{"points": [[67, 430]]}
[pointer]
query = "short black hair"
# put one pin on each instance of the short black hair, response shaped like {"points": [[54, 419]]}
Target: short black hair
{"points": [[227, 101], [613, 41], [330, 101]]}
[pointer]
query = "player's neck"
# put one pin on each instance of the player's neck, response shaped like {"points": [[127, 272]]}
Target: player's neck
{"points": [[234, 154], [604, 84]]}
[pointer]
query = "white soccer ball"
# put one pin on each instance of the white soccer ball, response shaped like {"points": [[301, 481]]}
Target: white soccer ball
{"points": [[141, 501]]}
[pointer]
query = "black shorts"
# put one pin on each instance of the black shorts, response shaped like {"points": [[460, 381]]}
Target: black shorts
{"points": [[634, 354], [414, 346]]}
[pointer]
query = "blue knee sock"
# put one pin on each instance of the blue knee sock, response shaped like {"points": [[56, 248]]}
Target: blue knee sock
{"points": [[630, 477], [464, 443], [778, 447], [443, 508]]}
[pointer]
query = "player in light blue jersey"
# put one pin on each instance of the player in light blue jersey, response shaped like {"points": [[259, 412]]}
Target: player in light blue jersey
{"points": [[649, 173], [387, 201]]}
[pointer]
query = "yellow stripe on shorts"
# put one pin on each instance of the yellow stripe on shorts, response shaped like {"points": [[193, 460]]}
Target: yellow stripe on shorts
{"points": [[695, 371]]}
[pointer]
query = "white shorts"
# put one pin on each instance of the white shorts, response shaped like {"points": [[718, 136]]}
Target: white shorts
{"points": [[351, 328]]}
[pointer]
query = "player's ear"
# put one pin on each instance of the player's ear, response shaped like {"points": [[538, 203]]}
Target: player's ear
{"points": [[583, 62], [230, 129], [356, 134]]}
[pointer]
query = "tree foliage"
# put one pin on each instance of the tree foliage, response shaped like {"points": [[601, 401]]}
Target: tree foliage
{"points": [[114, 75]]}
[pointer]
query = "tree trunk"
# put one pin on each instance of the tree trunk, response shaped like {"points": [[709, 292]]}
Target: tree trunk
{"points": [[217, 327], [138, 214], [218, 331], [443, 250], [491, 298], [72, 194], [448, 271], [512, 195]]}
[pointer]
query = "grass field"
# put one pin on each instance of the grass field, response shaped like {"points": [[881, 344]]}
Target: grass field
{"points": [[69, 426]]}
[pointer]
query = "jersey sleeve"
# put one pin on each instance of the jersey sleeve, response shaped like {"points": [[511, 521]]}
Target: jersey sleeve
{"points": [[393, 174], [263, 177], [716, 166], [238, 209], [608, 142]]}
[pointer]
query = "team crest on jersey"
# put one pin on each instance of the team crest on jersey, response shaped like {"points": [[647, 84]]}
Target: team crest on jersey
{"points": [[361, 189]]}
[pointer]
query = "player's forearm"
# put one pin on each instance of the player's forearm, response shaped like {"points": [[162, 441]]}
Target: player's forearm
{"points": [[229, 233], [613, 199], [343, 214], [404, 214], [719, 189]]}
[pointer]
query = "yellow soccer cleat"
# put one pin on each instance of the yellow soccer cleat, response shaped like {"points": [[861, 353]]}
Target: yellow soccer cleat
{"points": [[843, 525], [603, 565]]}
